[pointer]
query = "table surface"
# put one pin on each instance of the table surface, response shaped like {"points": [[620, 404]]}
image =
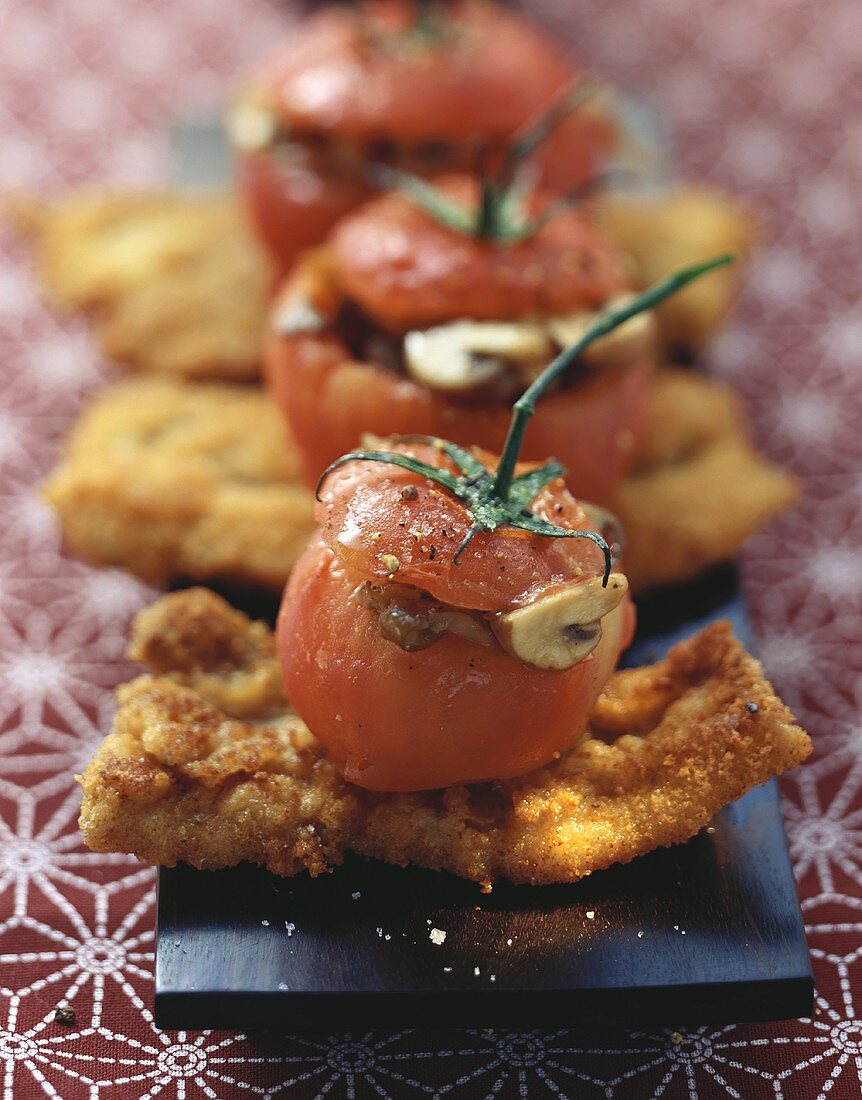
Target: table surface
{"points": [[762, 96]]}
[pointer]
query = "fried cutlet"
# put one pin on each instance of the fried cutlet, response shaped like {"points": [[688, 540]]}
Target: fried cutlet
{"points": [[168, 480], [175, 283], [207, 765], [699, 489], [662, 233]]}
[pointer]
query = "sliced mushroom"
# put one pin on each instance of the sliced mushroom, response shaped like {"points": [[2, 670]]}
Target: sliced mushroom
{"points": [[560, 629], [251, 126], [297, 317], [631, 341], [466, 355]]}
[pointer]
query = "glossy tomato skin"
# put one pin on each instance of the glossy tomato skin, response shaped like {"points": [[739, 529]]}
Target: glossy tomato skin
{"points": [[357, 72], [406, 270], [453, 713], [292, 208], [365, 517], [484, 80], [330, 399]]}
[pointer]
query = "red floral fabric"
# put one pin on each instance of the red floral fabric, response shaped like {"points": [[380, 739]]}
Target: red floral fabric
{"points": [[762, 96]]}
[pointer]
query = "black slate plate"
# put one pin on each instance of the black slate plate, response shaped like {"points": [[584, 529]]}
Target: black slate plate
{"points": [[708, 931]]}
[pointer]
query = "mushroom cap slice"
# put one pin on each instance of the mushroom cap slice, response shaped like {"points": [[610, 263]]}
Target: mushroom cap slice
{"points": [[251, 126], [561, 628], [465, 355]]}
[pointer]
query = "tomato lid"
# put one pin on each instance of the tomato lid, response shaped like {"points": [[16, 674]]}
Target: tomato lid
{"points": [[406, 268], [385, 522], [365, 71]]}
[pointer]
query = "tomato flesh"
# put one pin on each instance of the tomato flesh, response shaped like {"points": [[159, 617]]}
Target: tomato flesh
{"points": [[292, 208], [331, 398], [407, 270]]}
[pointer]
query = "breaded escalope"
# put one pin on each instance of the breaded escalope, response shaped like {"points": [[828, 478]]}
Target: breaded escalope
{"points": [[175, 281], [168, 480], [699, 489], [681, 226], [207, 765]]}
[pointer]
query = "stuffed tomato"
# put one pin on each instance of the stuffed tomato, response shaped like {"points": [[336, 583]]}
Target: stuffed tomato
{"points": [[414, 85], [418, 667], [403, 324]]}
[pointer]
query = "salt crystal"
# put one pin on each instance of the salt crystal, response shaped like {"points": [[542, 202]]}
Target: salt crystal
{"points": [[591, 914], [356, 895], [476, 971], [640, 935], [290, 927], [508, 943], [265, 923], [447, 969], [493, 977], [438, 936]]}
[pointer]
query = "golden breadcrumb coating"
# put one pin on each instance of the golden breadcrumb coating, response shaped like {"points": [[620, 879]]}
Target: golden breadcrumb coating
{"points": [[699, 489], [171, 480], [176, 283], [200, 481], [207, 765], [677, 227]]}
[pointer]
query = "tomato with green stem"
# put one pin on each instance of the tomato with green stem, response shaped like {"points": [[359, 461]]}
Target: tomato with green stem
{"points": [[458, 710], [400, 268], [418, 86]]}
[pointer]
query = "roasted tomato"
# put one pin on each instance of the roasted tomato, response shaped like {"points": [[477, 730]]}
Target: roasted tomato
{"points": [[361, 338], [381, 82], [416, 672]]}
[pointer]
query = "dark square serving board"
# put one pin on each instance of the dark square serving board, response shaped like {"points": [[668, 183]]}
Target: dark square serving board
{"points": [[708, 931]]}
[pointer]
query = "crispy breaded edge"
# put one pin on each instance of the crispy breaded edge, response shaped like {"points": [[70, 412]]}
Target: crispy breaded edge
{"points": [[93, 244], [182, 778], [167, 480]]}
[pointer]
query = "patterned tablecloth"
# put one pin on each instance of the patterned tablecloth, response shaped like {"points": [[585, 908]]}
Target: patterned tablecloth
{"points": [[763, 96]]}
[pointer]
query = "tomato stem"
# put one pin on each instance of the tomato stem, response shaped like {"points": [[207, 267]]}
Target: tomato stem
{"points": [[501, 214], [525, 406], [428, 24], [539, 129]]}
